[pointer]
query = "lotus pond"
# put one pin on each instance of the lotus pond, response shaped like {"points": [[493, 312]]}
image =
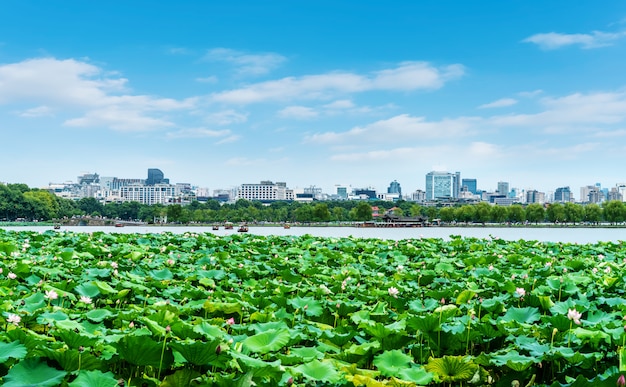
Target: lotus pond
{"points": [[243, 310]]}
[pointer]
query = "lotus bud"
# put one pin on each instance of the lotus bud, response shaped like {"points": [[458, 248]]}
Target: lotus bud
{"points": [[168, 329], [621, 381], [218, 350], [290, 381]]}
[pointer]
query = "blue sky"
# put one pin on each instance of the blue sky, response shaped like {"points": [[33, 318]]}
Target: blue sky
{"points": [[315, 92]]}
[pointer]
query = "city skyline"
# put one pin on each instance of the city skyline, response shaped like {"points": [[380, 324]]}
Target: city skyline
{"points": [[217, 95]]}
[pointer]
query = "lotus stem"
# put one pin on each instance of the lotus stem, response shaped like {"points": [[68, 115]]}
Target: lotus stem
{"points": [[162, 355]]}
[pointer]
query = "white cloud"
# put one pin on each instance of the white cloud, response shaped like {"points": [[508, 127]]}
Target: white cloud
{"points": [[571, 112], [554, 40], [39, 111], [198, 133], [298, 112], [483, 150], [503, 102], [209, 79], [77, 86], [530, 94], [118, 118], [246, 64], [227, 117], [229, 139], [340, 104], [407, 76], [398, 129]]}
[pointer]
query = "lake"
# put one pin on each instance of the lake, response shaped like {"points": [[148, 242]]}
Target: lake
{"points": [[547, 234]]}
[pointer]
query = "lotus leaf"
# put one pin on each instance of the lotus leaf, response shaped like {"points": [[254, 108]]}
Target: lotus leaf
{"points": [[319, 371], [451, 369], [33, 372], [268, 341], [390, 363], [13, 350]]}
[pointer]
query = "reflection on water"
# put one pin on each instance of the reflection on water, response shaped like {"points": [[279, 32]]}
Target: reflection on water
{"points": [[570, 235]]}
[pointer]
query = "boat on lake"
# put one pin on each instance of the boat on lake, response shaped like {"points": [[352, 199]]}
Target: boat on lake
{"points": [[243, 228]]}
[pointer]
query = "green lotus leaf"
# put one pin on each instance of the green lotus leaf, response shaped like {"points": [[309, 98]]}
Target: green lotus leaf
{"points": [[162, 275], [309, 305], [513, 360], [33, 303], [362, 349], [104, 287], [208, 330], [33, 372], [307, 353], [143, 351], [269, 341], [451, 369], [319, 371], [96, 378], [197, 352], [72, 359], [179, 378], [592, 337], [74, 339], [390, 363], [464, 297], [51, 317], [224, 307], [99, 315], [88, 290], [8, 248], [256, 366], [527, 315], [13, 350], [417, 375], [419, 306]]}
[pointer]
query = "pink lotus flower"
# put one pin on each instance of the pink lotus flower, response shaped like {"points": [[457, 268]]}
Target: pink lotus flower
{"points": [[12, 276], [51, 294], [521, 292], [85, 299], [13, 319], [393, 292], [230, 321], [574, 315]]}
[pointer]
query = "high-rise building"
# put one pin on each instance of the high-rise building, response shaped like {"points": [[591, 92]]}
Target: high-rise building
{"points": [[267, 191], [503, 188], [563, 195], [342, 192], [440, 185], [394, 188], [155, 176], [470, 184], [534, 196]]}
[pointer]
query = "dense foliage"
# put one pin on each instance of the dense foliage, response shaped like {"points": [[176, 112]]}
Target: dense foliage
{"points": [[103, 309], [18, 201]]}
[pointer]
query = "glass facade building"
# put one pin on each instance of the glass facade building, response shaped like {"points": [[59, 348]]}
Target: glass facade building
{"points": [[442, 185]]}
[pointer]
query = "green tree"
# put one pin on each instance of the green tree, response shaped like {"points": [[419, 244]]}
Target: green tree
{"points": [[321, 213], [90, 205], [174, 213], [339, 214], [556, 213], [464, 213], [362, 212], [614, 211], [516, 214], [446, 214], [535, 213], [574, 213], [482, 212], [416, 210], [303, 214], [499, 214], [593, 213]]}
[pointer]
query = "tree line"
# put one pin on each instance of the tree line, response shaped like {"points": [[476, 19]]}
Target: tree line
{"points": [[18, 201]]}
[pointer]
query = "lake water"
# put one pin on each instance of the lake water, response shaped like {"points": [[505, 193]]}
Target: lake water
{"points": [[548, 234]]}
